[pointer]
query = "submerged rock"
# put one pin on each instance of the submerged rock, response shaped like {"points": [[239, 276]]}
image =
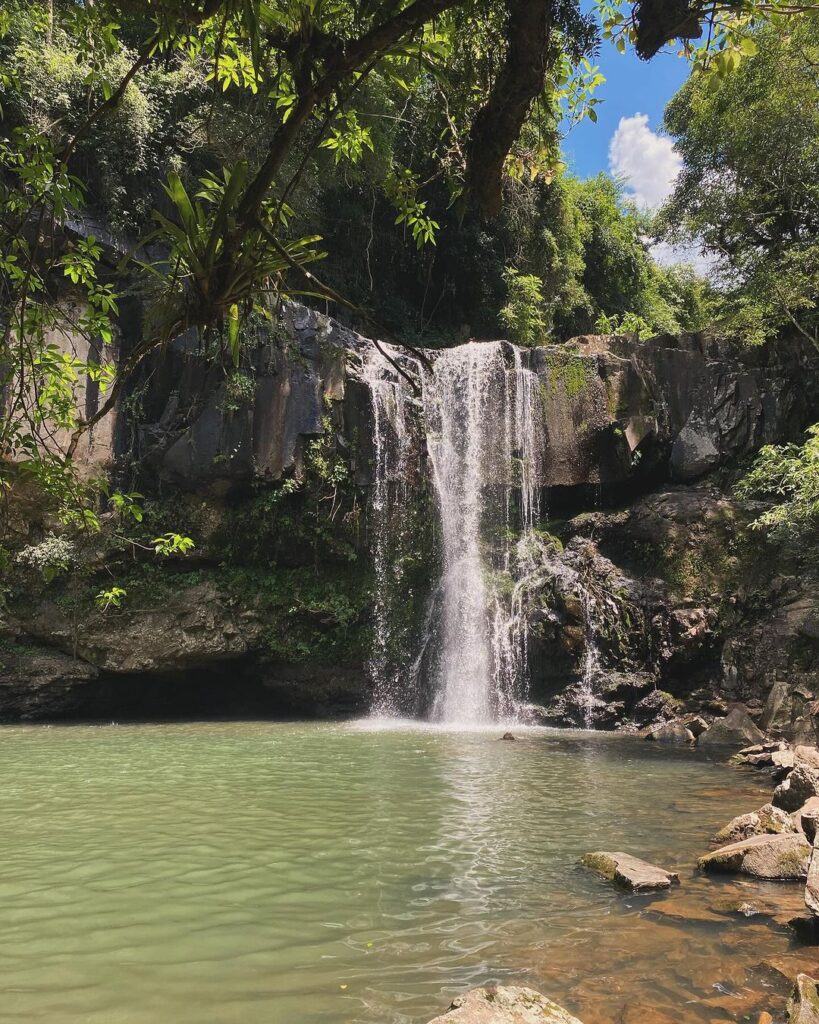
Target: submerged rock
{"points": [[630, 872], [803, 1006], [767, 820], [774, 857], [798, 788], [736, 728], [504, 1005]]}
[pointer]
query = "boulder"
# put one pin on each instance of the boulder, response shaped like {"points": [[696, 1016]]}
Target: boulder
{"points": [[783, 759], [775, 857], [630, 872], [670, 732], [697, 725], [803, 1006], [812, 885], [806, 819], [807, 755], [693, 452], [768, 820], [504, 1005], [736, 729], [761, 748], [799, 787], [788, 709]]}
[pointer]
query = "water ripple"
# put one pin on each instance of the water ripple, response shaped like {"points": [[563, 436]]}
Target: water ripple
{"points": [[227, 873]]}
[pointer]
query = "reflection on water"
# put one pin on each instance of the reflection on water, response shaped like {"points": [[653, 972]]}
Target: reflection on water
{"points": [[303, 874]]}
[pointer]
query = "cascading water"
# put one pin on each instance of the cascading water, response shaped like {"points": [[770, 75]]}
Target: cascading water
{"points": [[592, 662], [485, 438], [392, 451]]}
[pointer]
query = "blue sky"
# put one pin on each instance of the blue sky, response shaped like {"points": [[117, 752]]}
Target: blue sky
{"points": [[632, 86], [628, 141]]}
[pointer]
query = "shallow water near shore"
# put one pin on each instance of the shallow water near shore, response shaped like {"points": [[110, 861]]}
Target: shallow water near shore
{"points": [[352, 874]]}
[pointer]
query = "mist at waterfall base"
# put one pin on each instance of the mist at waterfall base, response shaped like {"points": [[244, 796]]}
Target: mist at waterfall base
{"points": [[481, 415]]}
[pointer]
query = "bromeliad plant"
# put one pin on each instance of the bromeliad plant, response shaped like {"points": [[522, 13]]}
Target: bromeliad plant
{"points": [[308, 76]]}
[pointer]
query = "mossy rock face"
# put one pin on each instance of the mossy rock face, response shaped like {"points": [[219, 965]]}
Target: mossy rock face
{"points": [[775, 857], [630, 872], [603, 863], [570, 372]]}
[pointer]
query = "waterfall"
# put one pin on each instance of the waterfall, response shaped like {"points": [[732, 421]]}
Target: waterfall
{"points": [[483, 420], [592, 662], [392, 450]]}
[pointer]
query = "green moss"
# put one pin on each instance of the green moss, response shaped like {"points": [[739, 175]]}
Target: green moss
{"points": [[602, 863], [311, 616], [793, 863], [571, 372]]}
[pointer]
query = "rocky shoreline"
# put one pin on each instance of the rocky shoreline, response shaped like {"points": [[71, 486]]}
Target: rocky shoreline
{"points": [[778, 842]]}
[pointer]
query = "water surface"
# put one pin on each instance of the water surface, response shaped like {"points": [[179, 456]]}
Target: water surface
{"points": [[329, 874]]}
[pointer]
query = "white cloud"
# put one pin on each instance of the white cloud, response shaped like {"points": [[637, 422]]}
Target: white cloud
{"points": [[648, 164], [666, 255], [646, 161]]}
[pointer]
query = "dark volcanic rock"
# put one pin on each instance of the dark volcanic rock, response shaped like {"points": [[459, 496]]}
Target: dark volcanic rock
{"points": [[38, 682]]}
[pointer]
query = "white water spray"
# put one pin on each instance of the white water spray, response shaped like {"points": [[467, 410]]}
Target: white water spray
{"points": [[485, 437], [392, 451]]}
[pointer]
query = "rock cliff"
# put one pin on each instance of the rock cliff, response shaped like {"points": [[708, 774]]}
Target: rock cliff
{"points": [[270, 468]]}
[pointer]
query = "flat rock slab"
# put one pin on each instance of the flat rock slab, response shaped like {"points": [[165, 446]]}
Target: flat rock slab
{"points": [[630, 872], [774, 857], [803, 1006], [504, 1005]]}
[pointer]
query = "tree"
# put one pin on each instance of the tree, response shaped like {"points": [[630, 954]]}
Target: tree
{"points": [[302, 76], [749, 188]]}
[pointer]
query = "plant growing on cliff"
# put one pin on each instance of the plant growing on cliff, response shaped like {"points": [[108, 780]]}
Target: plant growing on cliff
{"points": [[627, 323], [49, 558], [523, 316], [111, 598], [788, 477], [267, 92]]}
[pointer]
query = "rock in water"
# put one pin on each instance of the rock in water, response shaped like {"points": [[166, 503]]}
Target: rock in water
{"points": [[767, 820], [774, 857], [803, 1006], [507, 1005], [736, 729], [630, 872], [670, 732], [797, 789]]}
